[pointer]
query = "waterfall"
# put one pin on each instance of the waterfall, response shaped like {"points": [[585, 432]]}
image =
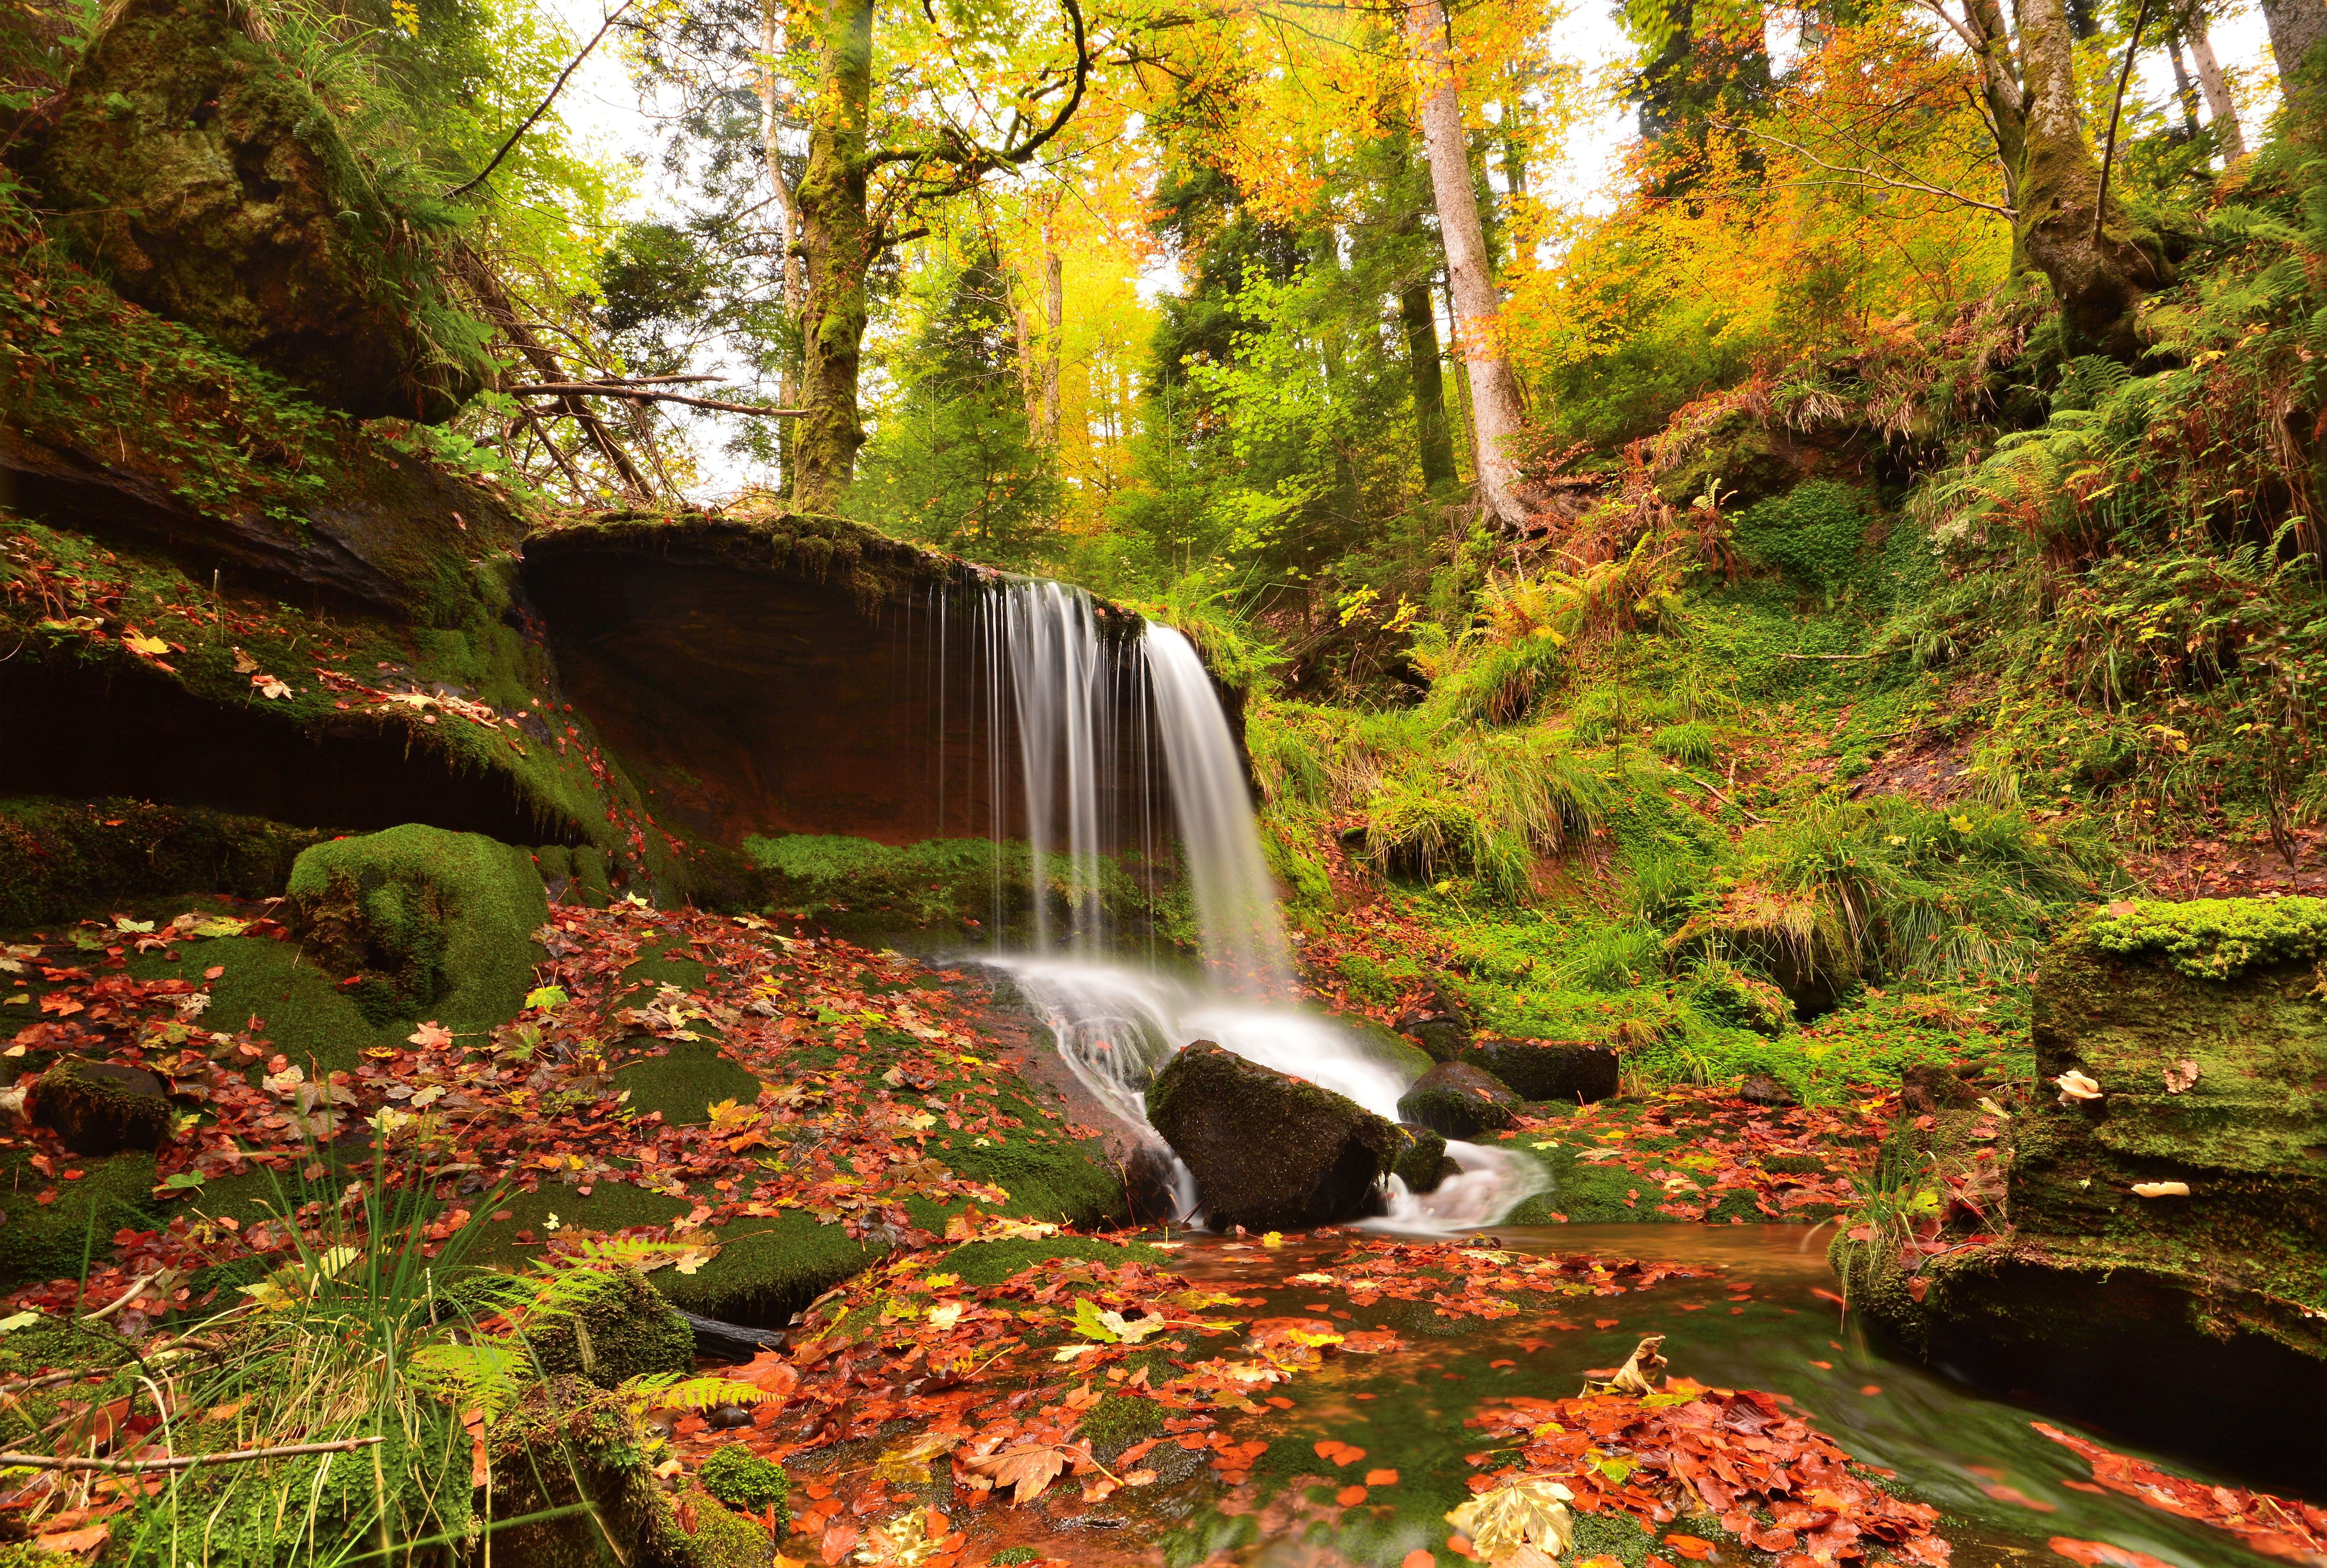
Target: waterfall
{"points": [[1086, 722], [1235, 902]]}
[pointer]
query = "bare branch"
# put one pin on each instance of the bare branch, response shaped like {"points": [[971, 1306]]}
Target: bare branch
{"points": [[1872, 176], [556, 88], [641, 395], [183, 1461]]}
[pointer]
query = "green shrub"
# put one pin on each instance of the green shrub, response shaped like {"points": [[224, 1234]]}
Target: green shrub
{"points": [[1814, 532], [741, 1480]]}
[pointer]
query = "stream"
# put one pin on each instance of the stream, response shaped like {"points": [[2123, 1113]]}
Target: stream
{"points": [[2005, 1489]]}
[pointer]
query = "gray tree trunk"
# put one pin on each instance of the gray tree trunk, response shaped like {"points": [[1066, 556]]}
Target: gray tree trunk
{"points": [[2297, 27], [1497, 423], [2221, 107]]}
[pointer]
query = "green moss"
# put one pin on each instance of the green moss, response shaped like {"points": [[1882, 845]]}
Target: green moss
{"points": [[685, 1083], [2216, 938], [303, 1011], [1814, 532], [435, 922], [767, 1270], [609, 1326], [742, 1480], [52, 1241], [990, 1263], [720, 1539], [1116, 1422], [60, 859], [1060, 1180]]}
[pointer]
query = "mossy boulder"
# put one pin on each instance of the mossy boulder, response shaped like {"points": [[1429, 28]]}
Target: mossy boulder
{"points": [[2177, 1221], [741, 1478], [569, 1443], [1422, 1161], [1791, 937], [1269, 1151], [196, 170], [1571, 1072], [610, 1326], [100, 1107], [1458, 1100], [61, 858], [434, 922]]}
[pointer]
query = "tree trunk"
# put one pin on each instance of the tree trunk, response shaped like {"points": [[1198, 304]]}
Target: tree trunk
{"points": [[2098, 272], [2221, 108], [2185, 92], [838, 237], [2297, 27], [1029, 382], [1999, 86], [788, 213], [1054, 309], [1497, 425], [1414, 307]]}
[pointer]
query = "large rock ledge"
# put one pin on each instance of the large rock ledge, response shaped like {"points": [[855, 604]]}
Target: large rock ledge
{"points": [[788, 674], [2154, 1241]]}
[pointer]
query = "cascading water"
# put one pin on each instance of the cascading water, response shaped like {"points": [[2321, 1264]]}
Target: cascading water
{"points": [[1116, 1025]]}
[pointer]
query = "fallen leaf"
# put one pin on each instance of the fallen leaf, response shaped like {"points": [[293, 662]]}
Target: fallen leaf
{"points": [[1518, 1514], [2180, 1076], [2161, 1190]]}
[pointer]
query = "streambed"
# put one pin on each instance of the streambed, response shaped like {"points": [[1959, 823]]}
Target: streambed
{"points": [[2004, 1490]]}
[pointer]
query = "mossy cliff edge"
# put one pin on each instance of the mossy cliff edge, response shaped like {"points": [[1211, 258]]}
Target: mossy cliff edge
{"points": [[2163, 1202]]}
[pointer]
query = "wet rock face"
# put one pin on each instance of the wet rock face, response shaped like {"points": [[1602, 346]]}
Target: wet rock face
{"points": [[1459, 1101], [1440, 1025], [1423, 1164], [205, 182], [1268, 1151], [1548, 1070]]}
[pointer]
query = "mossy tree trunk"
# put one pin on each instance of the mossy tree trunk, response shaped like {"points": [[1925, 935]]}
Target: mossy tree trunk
{"points": [[837, 235], [2097, 270], [1999, 84]]}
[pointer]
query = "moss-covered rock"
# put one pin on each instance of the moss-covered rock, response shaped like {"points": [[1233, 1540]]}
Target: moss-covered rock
{"points": [[1571, 1072], [55, 1240], [568, 1443], [1268, 1151], [64, 858], [1458, 1100], [610, 1326], [991, 1263], [100, 1107], [430, 920], [2174, 1222], [1422, 1161], [198, 172], [742, 1480]]}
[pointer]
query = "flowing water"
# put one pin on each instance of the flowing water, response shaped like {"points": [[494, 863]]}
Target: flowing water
{"points": [[2004, 1490], [1077, 721]]}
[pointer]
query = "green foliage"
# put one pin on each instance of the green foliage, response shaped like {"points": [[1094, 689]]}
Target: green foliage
{"points": [[1816, 534], [742, 1480], [954, 460], [2215, 938]]}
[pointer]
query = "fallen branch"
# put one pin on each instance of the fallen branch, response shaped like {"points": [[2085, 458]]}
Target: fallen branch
{"points": [[183, 1462], [1826, 656], [641, 395], [1716, 794]]}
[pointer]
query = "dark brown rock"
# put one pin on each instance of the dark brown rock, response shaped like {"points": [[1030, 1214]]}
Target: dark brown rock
{"points": [[100, 1107], [1570, 1072], [1458, 1100], [1269, 1151], [1924, 1089], [1761, 1089]]}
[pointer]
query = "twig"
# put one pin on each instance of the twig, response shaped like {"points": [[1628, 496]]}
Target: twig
{"points": [[183, 1462], [2116, 108], [638, 395], [1716, 794], [1826, 656], [2008, 214], [556, 88], [124, 1298]]}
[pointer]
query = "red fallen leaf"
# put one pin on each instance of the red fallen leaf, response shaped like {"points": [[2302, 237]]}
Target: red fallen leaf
{"points": [[74, 1542], [2101, 1554], [1420, 1557], [1349, 1496], [1690, 1547], [1605, 1322], [214, 970], [1381, 1478], [2003, 1492]]}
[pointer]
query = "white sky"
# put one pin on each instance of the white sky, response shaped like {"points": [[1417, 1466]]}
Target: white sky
{"points": [[601, 105]]}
